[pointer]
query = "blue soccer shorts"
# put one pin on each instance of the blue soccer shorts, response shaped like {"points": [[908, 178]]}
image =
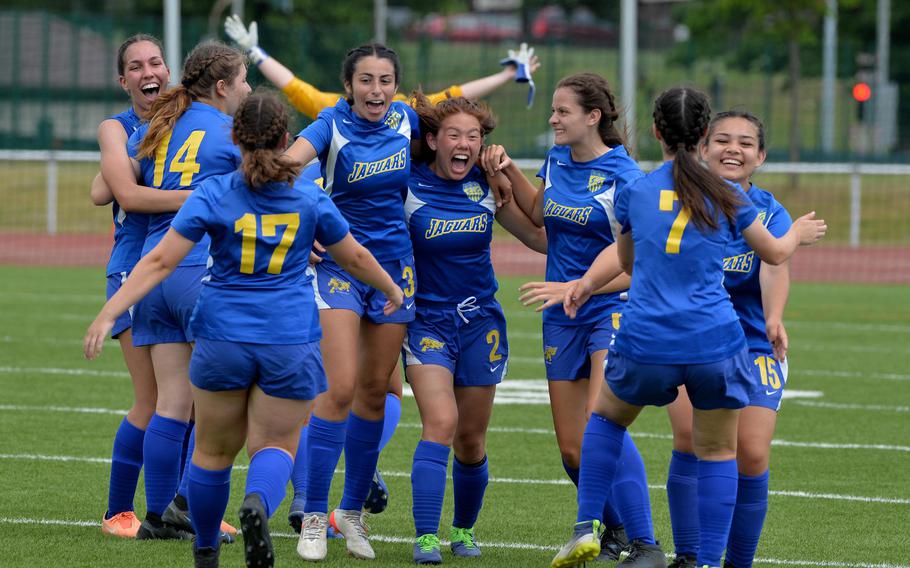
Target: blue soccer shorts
{"points": [[567, 349], [163, 316], [470, 343], [125, 321], [720, 384], [284, 371], [337, 290], [769, 378]]}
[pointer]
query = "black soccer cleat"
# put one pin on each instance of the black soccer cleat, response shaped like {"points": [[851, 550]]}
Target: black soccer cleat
{"points": [[156, 529], [684, 561], [206, 557], [612, 542], [643, 555], [257, 543]]}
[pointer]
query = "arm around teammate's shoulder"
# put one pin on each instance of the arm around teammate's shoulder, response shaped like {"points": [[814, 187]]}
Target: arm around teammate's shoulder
{"points": [[806, 230]]}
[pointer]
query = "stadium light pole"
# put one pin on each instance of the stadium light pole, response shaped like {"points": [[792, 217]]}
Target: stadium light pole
{"points": [[380, 17], [882, 60], [829, 76], [172, 38], [628, 55]]}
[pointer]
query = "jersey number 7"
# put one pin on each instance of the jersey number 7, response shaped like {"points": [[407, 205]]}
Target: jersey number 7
{"points": [[667, 197], [247, 226]]}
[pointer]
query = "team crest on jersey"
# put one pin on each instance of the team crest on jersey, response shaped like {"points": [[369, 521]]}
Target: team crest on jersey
{"points": [[739, 263], [440, 227], [430, 344], [393, 120], [363, 170], [336, 285], [596, 182], [574, 214], [549, 352], [762, 215], [473, 190]]}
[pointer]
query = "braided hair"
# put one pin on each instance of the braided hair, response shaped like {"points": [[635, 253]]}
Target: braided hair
{"points": [[208, 63], [593, 92], [259, 128], [432, 116], [681, 116]]}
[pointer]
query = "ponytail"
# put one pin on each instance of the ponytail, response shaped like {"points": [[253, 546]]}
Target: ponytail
{"points": [[167, 108]]}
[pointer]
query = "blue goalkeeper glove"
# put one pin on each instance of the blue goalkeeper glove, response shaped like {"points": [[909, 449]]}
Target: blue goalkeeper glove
{"points": [[521, 60]]}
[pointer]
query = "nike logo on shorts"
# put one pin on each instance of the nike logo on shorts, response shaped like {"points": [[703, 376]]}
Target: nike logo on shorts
{"points": [[493, 369]]}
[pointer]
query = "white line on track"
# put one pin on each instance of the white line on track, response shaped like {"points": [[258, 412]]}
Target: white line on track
{"points": [[842, 406], [507, 545], [62, 371], [502, 480]]}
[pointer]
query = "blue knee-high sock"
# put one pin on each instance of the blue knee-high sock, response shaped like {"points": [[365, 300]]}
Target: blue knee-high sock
{"points": [[717, 482], [126, 462], [207, 493], [392, 417], [572, 472], [361, 452], [326, 440], [682, 497], [630, 493], [428, 485], [470, 484], [601, 449], [610, 516], [268, 476], [190, 447], [161, 454], [748, 519], [300, 472]]}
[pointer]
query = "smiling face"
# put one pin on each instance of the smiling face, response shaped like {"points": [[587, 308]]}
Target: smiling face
{"points": [[457, 146], [372, 87], [732, 150], [570, 123], [144, 74]]}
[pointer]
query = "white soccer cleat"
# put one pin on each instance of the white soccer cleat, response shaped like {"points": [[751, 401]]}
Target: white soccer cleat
{"points": [[351, 524], [312, 543]]}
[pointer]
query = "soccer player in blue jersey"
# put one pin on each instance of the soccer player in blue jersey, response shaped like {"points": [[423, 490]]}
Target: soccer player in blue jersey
{"points": [[186, 141], [456, 350], [580, 178], [733, 149], [363, 144], [256, 366], [142, 75], [679, 326]]}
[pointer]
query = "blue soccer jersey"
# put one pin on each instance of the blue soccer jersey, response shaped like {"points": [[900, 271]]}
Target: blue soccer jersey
{"points": [[741, 269], [129, 228], [365, 167], [198, 147], [451, 226], [678, 310], [259, 290], [578, 215]]}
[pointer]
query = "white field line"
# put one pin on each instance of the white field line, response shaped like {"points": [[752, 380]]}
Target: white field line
{"points": [[44, 298], [493, 429], [507, 545], [494, 479], [843, 406]]}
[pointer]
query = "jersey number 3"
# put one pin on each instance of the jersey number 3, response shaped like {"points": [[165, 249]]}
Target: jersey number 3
{"points": [[247, 226], [667, 197]]}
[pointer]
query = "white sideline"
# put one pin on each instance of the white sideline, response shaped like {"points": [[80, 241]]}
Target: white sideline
{"points": [[502, 480], [508, 545]]}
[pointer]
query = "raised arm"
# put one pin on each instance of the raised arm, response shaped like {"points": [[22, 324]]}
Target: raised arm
{"points": [[120, 173], [486, 85], [494, 161]]}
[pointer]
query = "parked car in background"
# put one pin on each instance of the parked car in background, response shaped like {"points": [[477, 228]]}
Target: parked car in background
{"points": [[581, 26]]}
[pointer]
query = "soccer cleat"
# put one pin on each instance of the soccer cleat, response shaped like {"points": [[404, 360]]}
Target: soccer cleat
{"points": [[582, 547], [159, 530], [180, 518], [684, 561], [612, 543], [295, 513], [257, 543], [643, 555], [378, 498], [426, 550], [352, 526], [312, 545], [206, 557], [124, 525], [463, 542]]}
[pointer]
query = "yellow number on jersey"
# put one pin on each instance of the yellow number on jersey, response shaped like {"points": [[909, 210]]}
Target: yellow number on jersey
{"points": [[248, 226], [769, 376], [184, 161], [493, 339], [667, 197], [408, 275]]}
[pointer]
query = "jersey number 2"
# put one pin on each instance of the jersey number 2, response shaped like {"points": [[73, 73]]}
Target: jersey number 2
{"points": [[247, 227], [184, 161], [667, 197]]}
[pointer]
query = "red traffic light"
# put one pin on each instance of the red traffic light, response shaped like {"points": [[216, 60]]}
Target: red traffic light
{"points": [[862, 92]]}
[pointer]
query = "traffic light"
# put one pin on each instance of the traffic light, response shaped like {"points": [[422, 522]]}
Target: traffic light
{"points": [[862, 90]]}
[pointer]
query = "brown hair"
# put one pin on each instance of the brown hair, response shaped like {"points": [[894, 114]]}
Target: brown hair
{"points": [[739, 113], [377, 50], [681, 116], [593, 92], [208, 63], [259, 127], [432, 117], [121, 51]]}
